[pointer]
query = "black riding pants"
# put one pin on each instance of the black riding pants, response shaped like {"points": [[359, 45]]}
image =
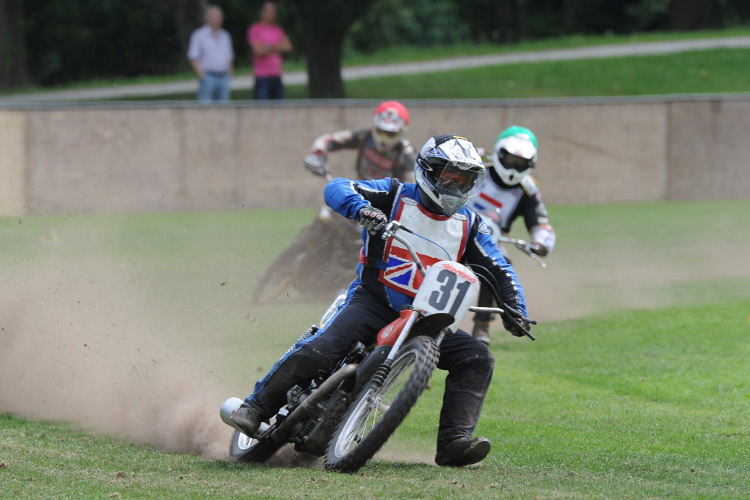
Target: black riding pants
{"points": [[469, 363]]}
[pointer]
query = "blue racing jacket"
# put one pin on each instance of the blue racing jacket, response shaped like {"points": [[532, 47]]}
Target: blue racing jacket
{"points": [[385, 267]]}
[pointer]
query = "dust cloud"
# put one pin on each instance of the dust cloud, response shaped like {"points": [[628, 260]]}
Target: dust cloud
{"points": [[84, 342], [77, 345]]}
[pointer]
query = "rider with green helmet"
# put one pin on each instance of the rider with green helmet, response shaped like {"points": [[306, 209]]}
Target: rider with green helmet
{"points": [[509, 191]]}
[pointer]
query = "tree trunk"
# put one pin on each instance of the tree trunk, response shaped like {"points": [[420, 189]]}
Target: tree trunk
{"points": [[324, 66], [325, 24], [13, 68], [686, 15], [512, 20], [187, 15]]}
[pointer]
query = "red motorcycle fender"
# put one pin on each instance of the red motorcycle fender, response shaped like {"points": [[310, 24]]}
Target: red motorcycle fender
{"points": [[390, 332], [427, 325]]}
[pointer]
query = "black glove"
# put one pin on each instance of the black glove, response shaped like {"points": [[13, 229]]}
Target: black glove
{"points": [[316, 163], [515, 329], [372, 218]]}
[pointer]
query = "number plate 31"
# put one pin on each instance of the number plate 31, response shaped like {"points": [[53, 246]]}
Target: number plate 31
{"points": [[448, 287]]}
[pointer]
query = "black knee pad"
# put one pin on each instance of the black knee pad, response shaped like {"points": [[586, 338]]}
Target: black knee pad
{"points": [[311, 360]]}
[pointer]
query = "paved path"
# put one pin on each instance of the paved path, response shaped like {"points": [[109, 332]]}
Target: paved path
{"points": [[359, 72]]}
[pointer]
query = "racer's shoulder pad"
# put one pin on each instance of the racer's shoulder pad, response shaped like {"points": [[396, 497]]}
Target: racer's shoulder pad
{"points": [[530, 185], [406, 147]]}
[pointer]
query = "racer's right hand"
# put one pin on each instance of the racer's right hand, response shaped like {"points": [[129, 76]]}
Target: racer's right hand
{"points": [[372, 218], [316, 163]]}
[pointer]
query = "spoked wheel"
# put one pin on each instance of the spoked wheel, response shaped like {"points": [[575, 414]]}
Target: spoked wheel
{"points": [[247, 449], [378, 411]]}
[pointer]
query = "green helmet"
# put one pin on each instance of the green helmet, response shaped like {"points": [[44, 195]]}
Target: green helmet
{"points": [[516, 153]]}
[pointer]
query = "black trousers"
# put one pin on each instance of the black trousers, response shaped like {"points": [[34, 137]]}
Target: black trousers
{"points": [[469, 363]]}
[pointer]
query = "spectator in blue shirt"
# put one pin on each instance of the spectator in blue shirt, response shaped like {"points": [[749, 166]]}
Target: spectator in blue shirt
{"points": [[212, 57]]}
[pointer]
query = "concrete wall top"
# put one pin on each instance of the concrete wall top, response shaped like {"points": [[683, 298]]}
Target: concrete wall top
{"points": [[182, 156]]}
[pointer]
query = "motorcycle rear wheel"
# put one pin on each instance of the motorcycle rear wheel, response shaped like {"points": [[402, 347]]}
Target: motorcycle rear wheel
{"points": [[247, 449], [378, 411]]}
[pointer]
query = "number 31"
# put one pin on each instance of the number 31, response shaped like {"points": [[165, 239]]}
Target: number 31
{"points": [[439, 298]]}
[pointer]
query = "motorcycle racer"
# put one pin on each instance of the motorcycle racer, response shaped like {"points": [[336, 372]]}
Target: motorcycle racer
{"points": [[509, 191], [447, 169], [382, 150]]}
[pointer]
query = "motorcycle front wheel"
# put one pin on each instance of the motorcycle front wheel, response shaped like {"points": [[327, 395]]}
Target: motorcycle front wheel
{"points": [[379, 410]]}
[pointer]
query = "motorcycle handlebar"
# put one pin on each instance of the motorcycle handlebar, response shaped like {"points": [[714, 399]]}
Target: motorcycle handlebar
{"points": [[512, 315], [316, 164], [529, 249]]}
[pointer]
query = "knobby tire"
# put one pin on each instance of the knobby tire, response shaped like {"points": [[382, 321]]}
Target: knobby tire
{"points": [[355, 441], [244, 449]]}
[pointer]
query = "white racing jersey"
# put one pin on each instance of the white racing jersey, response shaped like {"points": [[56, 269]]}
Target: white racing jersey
{"points": [[450, 234], [385, 267]]}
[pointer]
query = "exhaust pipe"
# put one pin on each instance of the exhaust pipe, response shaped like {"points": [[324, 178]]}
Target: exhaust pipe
{"points": [[227, 407], [312, 400]]}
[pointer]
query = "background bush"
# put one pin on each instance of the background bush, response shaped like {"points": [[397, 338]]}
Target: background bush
{"points": [[68, 40]]}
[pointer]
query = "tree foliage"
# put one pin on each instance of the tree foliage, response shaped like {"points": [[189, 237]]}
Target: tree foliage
{"points": [[53, 41], [13, 69]]}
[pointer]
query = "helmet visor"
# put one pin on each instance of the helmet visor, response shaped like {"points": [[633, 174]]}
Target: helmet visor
{"points": [[455, 181], [513, 162]]}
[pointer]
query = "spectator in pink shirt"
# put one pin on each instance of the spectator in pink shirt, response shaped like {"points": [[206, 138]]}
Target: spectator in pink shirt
{"points": [[267, 42]]}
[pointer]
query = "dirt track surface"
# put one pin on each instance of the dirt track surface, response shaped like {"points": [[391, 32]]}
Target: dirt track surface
{"points": [[138, 340], [370, 71], [78, 346], [82, 343]]}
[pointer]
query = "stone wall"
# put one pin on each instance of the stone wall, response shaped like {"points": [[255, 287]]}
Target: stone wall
{"points": [[177, 157]]}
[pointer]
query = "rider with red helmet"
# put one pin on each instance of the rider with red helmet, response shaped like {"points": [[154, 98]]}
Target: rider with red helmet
{"points": [[382, 149]]}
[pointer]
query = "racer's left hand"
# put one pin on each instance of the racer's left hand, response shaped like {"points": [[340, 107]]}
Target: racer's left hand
{"points": [[514, 329], [540, 250]]}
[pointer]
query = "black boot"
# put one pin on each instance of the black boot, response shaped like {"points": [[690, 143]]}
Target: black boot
{"points": [[482, 320], [481, 332], [465, 388], [463, 451], [247, 418]]}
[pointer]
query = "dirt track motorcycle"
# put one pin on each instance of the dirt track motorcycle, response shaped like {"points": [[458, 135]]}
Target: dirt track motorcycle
{"points": [[347, 414], [319, 259]]}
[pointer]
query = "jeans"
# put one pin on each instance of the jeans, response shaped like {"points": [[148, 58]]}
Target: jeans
{"points": [[214, 87], [268, 87]]}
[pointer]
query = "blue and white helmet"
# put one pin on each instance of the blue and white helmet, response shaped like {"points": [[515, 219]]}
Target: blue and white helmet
{"points": [[447, 169]]}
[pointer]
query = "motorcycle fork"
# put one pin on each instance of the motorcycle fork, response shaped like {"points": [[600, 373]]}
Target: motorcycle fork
{"points": [[385, 368]]}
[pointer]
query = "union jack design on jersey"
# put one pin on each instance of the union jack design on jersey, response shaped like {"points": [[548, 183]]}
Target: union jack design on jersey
{"points": [[401, 273]]}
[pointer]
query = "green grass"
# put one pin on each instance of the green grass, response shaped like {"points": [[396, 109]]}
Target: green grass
{"points": [[698, 72], [629, 405], [615, 402], [713, 71], [407, 54]]}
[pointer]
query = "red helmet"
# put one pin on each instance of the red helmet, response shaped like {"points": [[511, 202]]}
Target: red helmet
{"points": [[389, 122]]}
